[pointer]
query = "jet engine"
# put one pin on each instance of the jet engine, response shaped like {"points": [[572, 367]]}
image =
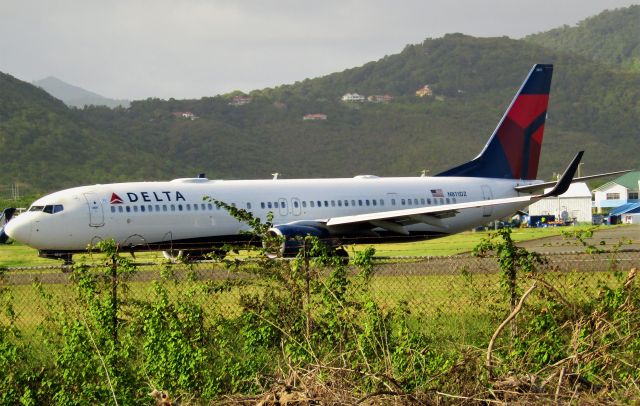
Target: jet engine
{"points": [[286, 240]]}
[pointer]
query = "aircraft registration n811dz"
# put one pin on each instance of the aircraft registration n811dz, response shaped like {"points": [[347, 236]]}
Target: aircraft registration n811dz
{"points": [[174, 216]]}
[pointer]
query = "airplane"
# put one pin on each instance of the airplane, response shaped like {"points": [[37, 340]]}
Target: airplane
{"points": [[175, 217]]}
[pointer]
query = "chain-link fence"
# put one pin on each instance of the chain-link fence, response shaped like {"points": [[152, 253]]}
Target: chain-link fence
{"points": [[462, 289]]}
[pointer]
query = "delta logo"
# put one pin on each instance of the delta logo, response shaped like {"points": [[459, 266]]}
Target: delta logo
{"points": [[133, 197], [115, 199]]}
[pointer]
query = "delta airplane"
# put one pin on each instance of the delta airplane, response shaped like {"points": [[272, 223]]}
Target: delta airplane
{"points": [[175, 216]]}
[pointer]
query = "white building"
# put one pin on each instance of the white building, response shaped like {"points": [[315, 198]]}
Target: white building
{"points": [[575, 203], [622, 190], [353, 97]]}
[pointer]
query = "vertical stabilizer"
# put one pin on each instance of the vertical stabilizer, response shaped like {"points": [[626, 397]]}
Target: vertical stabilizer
{"points": [[513, 151]]}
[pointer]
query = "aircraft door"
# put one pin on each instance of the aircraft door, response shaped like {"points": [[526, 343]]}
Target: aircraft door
{"points": [[487, 194], [282, 205], [296, 207], [96, 214]]}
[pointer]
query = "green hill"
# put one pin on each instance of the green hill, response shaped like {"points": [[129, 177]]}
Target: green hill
{"points": [[46, 145], [592, 107], [611, 37]]}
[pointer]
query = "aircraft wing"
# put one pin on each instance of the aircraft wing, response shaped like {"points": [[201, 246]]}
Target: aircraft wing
{"points": [[395, 220], [543, 185]]}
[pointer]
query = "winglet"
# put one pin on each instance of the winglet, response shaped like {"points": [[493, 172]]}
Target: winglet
{"points": [[566, 178]]}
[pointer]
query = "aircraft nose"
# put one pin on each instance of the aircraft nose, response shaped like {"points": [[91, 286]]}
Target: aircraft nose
{"points": [[19, 230]]}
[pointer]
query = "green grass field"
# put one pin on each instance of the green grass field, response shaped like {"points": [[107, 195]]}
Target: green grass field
{"points": [[19, 255]]}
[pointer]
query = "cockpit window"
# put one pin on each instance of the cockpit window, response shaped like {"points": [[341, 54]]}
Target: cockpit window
{"points": [[50, 208]]}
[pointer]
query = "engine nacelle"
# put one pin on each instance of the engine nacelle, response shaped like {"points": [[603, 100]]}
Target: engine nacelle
{"points": [[292, 238]]}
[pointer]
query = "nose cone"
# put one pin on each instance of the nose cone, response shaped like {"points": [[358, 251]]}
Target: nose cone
{"points": [[19, 230]]}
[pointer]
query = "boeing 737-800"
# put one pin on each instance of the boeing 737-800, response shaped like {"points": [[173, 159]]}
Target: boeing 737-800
{"points": [[174, 216]]}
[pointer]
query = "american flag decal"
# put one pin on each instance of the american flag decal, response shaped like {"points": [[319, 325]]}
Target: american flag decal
{"points": [[437, 193]]}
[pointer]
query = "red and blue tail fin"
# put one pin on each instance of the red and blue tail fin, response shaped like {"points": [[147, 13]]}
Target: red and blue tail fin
{"points": [[513, 151]]}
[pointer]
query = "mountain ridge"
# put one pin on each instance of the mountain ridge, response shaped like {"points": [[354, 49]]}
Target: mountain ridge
{"points": [[76, 96], [592, 106]]}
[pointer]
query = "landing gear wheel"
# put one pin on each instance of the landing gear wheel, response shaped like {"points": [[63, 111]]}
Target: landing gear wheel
{"points": [[343, 255]]}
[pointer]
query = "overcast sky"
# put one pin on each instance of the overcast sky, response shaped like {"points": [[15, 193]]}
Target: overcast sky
{"points": [[192, 48]]}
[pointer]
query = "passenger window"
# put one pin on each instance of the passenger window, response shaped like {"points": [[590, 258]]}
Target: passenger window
{"points": [[304, 203], [248, 206], [441, 201], [402, 201], [415, 201], [113, 209], [142, 209], [275, 205], [353, 202], [448, 201], [269, 204], [454, 199], [428, 201], [203, 206], [366, 202], [262, 205], [295, 204], [375, 203], [158, 207], [284, 205], [333, 203], [128, 209], [346, 203], [359, 202], [164, 207], [319, 203], [381, 202], [393, 202], [339, 203], [120, 210], [326, 203], [210, 206], [179, 207], [173, 207], [195, 207], [188, 207], [311, 203], [135, 209], [422, 201]]}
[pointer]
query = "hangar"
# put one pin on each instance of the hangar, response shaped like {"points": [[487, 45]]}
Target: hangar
{"points": [[573, 205]]}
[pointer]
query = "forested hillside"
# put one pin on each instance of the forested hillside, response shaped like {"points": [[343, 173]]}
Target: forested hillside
{"points": [[611, 37], [45, 145], [592, 107]]}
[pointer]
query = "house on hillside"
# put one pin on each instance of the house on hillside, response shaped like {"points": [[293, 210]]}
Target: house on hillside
{"points": [[622, 190], [573, 205], [240, 100], [185, 114], [353, 97], [424, 91], [380, 98], [314, 117]]}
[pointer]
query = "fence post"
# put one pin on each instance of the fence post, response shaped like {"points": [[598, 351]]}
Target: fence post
{"points": [[307, 273], [114, 297]]}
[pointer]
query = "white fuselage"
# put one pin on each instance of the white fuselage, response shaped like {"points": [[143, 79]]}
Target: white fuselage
{"points": [[151, 213]]}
